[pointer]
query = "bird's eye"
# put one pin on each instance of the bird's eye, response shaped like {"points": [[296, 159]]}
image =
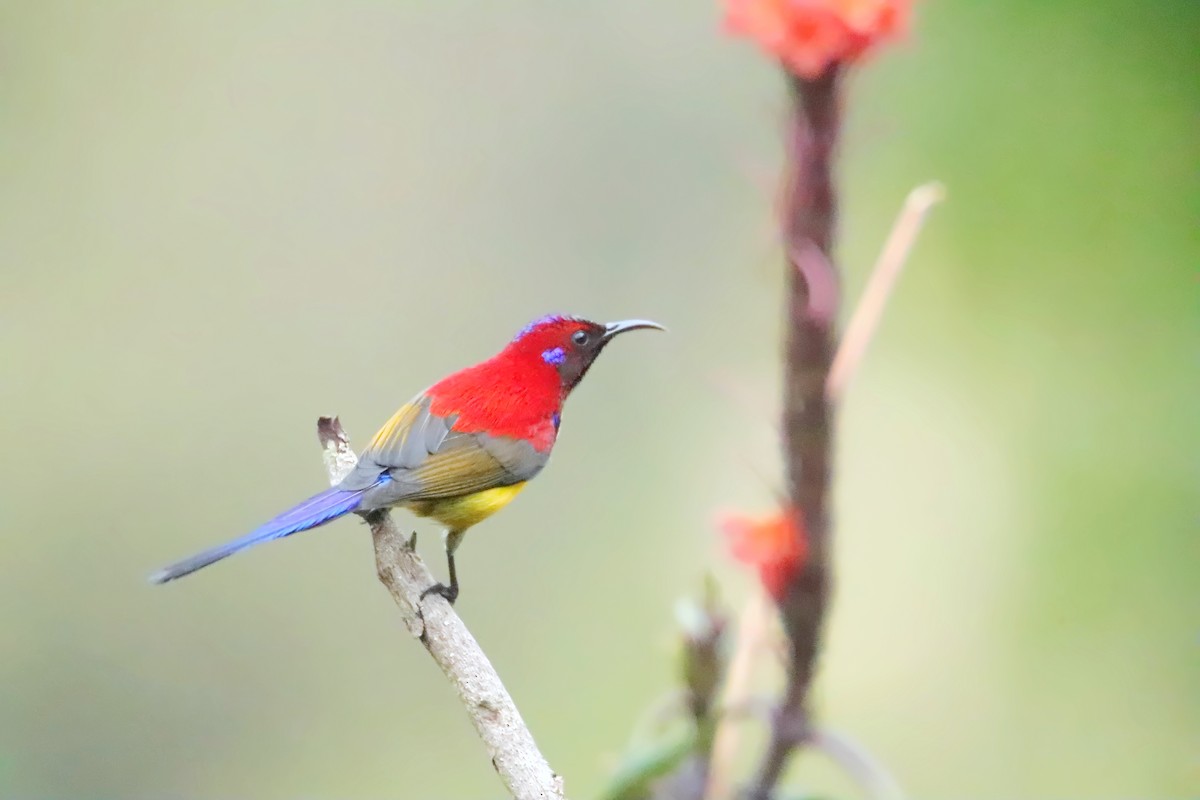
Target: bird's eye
{"points": [[580, 337]]}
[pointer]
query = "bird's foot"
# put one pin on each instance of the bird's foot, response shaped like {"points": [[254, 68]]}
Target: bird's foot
{"points": [[441, 589]]}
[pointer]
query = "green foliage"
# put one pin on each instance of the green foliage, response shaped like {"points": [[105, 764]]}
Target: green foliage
{"points": [[634, 778]]}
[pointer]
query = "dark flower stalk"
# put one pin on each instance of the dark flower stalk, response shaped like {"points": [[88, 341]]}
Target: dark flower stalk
{"points": [[814, 42], [810, 213]]}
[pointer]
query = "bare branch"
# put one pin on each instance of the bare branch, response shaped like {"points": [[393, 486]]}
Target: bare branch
{"points": [[515, 755]]}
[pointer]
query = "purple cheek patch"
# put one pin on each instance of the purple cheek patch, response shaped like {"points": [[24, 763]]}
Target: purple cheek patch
{"points": [[555, 356]]}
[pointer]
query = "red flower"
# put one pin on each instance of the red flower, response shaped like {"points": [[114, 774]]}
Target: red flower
{"points": [[775, 545], [809, 35]]}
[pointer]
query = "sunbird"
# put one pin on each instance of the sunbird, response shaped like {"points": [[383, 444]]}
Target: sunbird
{"points": [[459, 451]]}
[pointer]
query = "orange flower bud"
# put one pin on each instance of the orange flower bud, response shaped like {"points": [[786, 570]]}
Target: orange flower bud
{"points": [[810, 35], [774, 545]]}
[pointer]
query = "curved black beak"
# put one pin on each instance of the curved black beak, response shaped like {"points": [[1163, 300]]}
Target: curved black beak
{"points": [[611, 329]]}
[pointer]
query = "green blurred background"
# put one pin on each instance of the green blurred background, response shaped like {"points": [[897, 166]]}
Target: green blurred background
{"points": [[218, 221]]}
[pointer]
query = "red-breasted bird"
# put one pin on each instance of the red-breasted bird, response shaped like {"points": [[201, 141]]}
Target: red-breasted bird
{"points": [[461, 450]]}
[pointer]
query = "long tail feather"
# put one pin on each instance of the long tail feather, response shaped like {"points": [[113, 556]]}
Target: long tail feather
{"points": [[313, 512]]}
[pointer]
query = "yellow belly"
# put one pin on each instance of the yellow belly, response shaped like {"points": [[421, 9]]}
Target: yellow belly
{"points": [[460, 513]]}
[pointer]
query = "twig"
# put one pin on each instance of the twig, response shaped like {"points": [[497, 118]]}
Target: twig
{"points": [[862, 325], [515, 755], [856, 762], [751, 631]]}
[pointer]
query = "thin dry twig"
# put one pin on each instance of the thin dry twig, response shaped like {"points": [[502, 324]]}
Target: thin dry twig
{"points": [[515, 755], [752, 633], [861, 328]]}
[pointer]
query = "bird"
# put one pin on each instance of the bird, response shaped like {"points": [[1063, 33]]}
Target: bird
{"points": [[459, 451]]}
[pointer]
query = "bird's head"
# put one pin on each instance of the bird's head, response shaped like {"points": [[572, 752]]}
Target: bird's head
{"points": [[568, 344]]}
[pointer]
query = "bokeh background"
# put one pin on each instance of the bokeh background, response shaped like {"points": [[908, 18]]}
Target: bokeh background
{"points": [[218, 221]]}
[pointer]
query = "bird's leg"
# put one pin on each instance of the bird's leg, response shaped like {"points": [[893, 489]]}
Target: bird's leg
{"points": [[453, 539]]}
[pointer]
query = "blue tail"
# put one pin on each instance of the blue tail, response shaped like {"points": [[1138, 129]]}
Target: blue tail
{"points": [[316, 510]]}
